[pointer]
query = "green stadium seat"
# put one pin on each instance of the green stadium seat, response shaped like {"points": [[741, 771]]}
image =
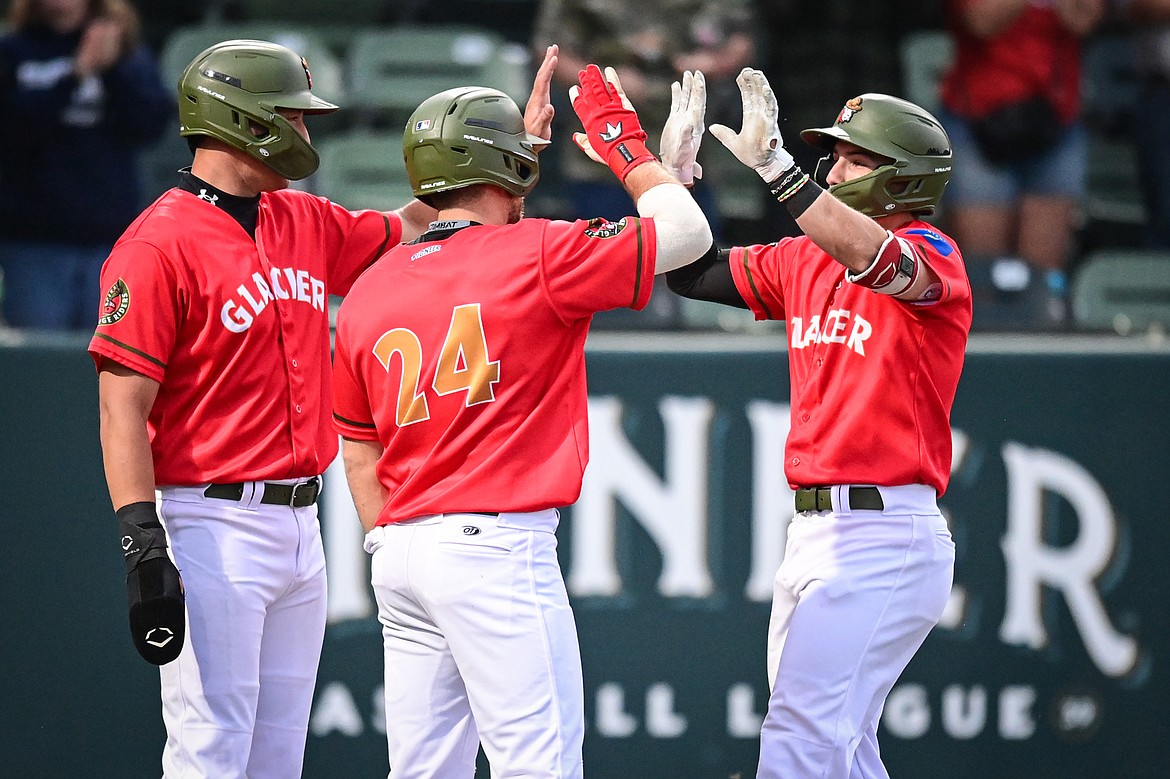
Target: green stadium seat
{"points": [[926, 55], [1125, 291], [391, 71], [363, 169]]}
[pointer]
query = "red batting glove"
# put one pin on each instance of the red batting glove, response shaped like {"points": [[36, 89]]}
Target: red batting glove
{"points": [[612, 127]]}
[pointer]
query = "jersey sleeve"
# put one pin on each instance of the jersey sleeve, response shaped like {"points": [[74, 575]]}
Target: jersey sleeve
{"points": [[355, 239], [942, 256], [598, 265], [756, 271], [352, 416], [142, 304]]}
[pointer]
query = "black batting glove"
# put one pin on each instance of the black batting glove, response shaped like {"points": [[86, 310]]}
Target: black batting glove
{"points": [[154, 589]]}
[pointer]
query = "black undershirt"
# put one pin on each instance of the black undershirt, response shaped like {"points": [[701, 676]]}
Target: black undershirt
{"points": [[707, 278], [245, 210]]}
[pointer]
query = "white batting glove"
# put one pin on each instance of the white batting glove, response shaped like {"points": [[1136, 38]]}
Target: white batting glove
{"points": [[683, 131], [759, 144]]}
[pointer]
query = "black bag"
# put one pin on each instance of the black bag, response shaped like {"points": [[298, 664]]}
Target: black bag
{"points": [[1017, 131]]}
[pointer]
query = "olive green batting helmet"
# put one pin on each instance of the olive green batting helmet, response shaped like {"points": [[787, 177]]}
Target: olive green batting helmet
{"points": [[232, 91], [900, 131], [469, 135]]}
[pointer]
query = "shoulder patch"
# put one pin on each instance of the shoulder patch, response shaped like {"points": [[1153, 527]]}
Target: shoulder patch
{"points": [[116, 304], [603, 228], [940, 244]]}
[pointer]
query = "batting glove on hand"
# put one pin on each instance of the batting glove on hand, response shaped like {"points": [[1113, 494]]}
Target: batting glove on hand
{"points": [[154, 589], [683, 131], [759, 144], [612, 128]]}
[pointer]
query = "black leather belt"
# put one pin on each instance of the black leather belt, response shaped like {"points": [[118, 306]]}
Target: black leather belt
{"points": [[821, 498], [294, 495]]}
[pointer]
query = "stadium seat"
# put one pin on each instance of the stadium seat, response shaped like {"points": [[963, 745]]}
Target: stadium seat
{"points": [[391, 71], [925, 56], [1122, 290], [363, 169]]}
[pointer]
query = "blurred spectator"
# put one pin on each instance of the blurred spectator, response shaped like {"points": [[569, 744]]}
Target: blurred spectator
{"points": [[649, 44], [79, 96], [1152, 43], [1012, 109]]}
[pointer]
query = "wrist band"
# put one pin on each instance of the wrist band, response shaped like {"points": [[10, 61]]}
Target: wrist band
{"points": [[796, 190]]}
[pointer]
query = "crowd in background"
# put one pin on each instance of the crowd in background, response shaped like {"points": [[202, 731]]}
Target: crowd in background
{"points": [[1039, 97]]}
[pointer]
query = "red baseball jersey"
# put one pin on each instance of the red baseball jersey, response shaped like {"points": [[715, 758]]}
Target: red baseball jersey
{"points": [[235, 330], [465, 358], [872, 378]]}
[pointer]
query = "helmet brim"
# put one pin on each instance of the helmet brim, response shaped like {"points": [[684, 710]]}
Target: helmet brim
{"points": [[306, 101], [823, 138]]}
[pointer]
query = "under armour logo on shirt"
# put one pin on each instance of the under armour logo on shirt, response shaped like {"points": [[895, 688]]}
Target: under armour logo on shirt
{"points": [[611, 131], [213, 199]]}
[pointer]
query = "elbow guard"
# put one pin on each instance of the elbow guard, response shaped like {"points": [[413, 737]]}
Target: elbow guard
{"points": [[894, 270]]}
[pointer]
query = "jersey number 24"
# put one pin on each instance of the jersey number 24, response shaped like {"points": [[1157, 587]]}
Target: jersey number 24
{"points": [[463, 364]]}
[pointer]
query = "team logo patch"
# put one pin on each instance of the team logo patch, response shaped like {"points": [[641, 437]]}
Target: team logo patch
{"points": [[116, 304], [603, 228], [851, 108]]}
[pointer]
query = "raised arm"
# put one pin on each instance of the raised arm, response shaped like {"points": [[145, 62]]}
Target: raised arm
{"points": [[615, 136]]}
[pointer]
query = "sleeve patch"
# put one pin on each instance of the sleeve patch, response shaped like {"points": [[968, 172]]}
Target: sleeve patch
{"points": [[939, 243], [116, 303], [603, 228]]}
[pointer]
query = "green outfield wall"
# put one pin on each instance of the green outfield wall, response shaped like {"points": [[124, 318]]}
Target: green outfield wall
{"points": [[1051, 661]]}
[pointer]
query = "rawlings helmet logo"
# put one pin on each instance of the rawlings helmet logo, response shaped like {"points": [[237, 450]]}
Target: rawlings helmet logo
{"points": [[116, 304], [603, 228], [851, 108]]}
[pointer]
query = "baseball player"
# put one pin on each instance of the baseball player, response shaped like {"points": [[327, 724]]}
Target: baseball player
{"points": [[459, 380], [878, 307], [213, 356]]}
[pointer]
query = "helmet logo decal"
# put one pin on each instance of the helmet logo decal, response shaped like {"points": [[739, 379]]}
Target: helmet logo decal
{"points": [[308, 75], [215, 75], [851, 108], [422, 124], [116, 304], [600, 227], [469, 137]]}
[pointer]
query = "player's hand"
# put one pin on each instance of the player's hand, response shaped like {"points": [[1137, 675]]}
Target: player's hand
{"points": [[154, 589], [759, 144], [683, 131], [538, 113], [611, 125]]}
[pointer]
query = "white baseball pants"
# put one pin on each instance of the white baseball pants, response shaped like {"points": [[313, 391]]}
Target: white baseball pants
{"points": [[480, 644], [236, 702], [855, 596]]}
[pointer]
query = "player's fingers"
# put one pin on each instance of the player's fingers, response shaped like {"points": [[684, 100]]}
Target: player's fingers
{"points": [[676, 97], [582, 141], [574, 91], [612, 77], [726, 135]]}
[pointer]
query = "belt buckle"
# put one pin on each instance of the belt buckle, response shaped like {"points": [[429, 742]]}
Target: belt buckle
{"points": [[313, 486]]}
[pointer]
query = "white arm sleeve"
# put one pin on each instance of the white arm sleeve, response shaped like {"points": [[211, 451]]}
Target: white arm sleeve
{"points": [[683, 233]]}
